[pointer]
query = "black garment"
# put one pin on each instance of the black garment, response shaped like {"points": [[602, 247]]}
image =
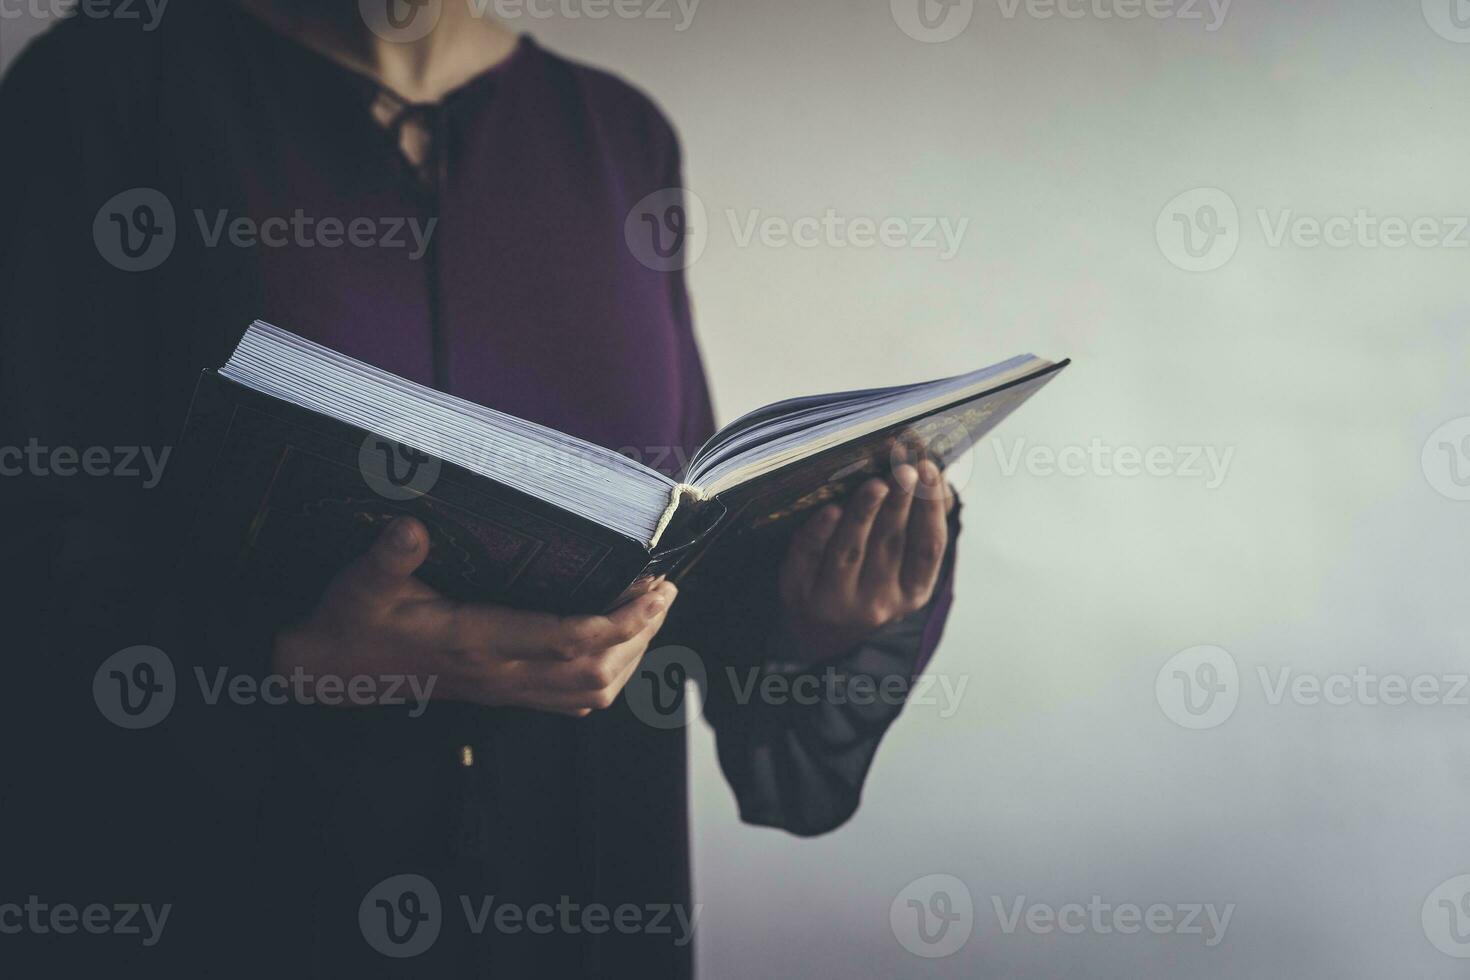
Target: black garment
{"points": [[268, 828]]}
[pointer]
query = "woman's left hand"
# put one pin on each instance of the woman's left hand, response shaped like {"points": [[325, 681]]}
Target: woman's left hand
{"points": [[853, 569]]}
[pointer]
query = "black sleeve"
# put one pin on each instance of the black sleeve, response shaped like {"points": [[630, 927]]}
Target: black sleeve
{"points": [[94, 384], [799, 762], [796, 738]]}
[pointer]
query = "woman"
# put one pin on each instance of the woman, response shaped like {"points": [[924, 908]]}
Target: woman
{"points": [[529, 779]]}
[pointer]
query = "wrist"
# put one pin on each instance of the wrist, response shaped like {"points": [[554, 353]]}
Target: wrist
{"points": [[798, 641]]}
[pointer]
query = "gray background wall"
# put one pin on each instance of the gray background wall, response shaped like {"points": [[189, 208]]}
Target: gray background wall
{"points": [[1332, 543]]}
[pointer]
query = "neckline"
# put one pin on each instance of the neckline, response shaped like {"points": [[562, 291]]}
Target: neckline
{"points": [[525, 44]]}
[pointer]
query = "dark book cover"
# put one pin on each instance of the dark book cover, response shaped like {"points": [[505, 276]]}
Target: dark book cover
{"points": [[759, 517], [286, 497]]}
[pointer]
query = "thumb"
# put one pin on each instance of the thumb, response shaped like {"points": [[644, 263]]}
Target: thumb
{"points": [[393, 557]]}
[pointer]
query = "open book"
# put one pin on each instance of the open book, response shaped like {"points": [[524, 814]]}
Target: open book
{"points": [[303, 453]]}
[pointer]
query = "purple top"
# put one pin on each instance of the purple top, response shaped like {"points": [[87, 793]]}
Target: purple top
{"points": [[527, 298]]}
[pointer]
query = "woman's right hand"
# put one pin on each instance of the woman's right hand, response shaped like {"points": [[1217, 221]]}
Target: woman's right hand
{"points": [[377, 619]]}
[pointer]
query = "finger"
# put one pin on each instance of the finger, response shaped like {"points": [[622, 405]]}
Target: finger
{"points": [[394, 556], [843, 560], [593, 682], [589, 636], [928, 535], [633, 662], [549, 684], [516, 634], [641, 644], [804, 554], [519, 635], [602, 669], [884, 560], [633, 657]]}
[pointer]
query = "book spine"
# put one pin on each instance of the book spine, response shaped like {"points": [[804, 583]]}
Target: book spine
{"points": [[676, 497]]}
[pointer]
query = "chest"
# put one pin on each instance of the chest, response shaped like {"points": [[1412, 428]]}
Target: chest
{"points": [[507, 281]]}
